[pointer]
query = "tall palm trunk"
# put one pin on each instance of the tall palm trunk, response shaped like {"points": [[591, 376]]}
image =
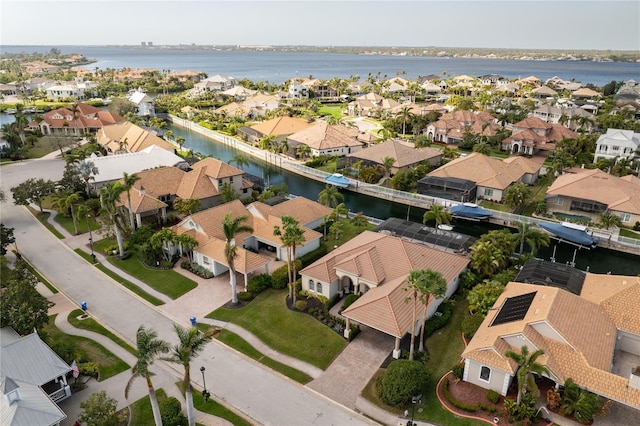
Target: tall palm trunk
{"points": [[413, 328], [294, 272], [155, 407], [424, 323], [131, 220], [118, 237], [232, 280], [73, 218], [191, 415]]}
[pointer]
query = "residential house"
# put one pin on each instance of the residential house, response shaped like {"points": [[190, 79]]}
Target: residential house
{"points": [[543, 92], [430, 90], [532, 135], [585, 94], [38, 67], [372, 105], [592, 192], [584, 337], [239, 93], [573, 118], [143, 102], [629, 92], [253, 249], [157, 189], [326, 139], [560, 84], [112, 167], [33, 380], [617, 144], [66, 122], [451, 127], [9, 89], [235, 109], [72, 90], [358, 88], [279, 128], [216, 83], [478, 176], [405, 155], [262, 103], [298, 89], [376, 266], [124, 137]]}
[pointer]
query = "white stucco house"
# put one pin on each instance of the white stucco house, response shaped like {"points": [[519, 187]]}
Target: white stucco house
{"points": [[617, 143], [143, 102]]}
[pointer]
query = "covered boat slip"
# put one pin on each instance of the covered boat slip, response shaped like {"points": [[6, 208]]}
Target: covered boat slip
{"points": [[445, 240], [470, 211], [338, 180], [571, 233]]}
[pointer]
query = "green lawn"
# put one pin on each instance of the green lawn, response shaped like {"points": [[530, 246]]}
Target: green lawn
{"points": [[629, 234], [349, 231], [241, 345], [86, 350], [333, 109], [141, 413], [268, 317], [212, 407], [134, 288], [168, 282], [494, 206], [67, 223], [93, 325], [445, 347]]}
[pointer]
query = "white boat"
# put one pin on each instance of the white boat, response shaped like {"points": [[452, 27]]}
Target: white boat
{"points": [[445, 227], [10, 111]]}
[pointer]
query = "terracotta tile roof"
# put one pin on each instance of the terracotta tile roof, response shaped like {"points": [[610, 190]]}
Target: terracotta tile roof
{"points": [[486, 171], [160, 181], [141, 202], [386, 261], [405, 154], [216, 169], [282, 126], [577, 333], [209, 221], [245, 262], [87, 117], [322, 135], [302, 209], [196, 185], [136, 138], [618, 194]]}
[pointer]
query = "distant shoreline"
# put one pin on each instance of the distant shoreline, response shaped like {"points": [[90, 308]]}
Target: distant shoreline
{"points": [[427, 51]]}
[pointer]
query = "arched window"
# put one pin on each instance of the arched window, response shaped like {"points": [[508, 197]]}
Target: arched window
{"points": [[311, 287], [319, 288]]}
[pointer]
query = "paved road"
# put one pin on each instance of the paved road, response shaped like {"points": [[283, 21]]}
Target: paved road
{"points": [[252, 389]]}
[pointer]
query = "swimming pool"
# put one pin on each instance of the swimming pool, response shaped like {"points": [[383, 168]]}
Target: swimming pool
{"points": [[573, 217]]}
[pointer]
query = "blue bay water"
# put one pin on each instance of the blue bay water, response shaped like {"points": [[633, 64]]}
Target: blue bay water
{"points": [[277, 67]]}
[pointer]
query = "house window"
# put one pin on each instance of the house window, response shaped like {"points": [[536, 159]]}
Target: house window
{"points": [[488, 192], [231, 179], [615, 148], [319, 288], [205, 260], [625, 217], [558, 201], [311, 286], [485, 373]]}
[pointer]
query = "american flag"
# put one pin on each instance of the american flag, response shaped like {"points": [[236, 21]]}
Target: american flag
{"points": [[75, 370]]}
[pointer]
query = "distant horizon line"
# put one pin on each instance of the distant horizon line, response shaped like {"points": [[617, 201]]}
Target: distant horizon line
{"points": [[253, 46]]}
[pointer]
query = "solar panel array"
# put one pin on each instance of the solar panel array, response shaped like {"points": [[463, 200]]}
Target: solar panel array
{"points": [[514, 309], [419, 233]]}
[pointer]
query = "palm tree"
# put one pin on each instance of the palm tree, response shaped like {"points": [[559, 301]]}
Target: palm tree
{"points": [[109, 195], [187, 244], [482, 147], [127, 182], [291, 235], [166, 236], [87, 171], [168, 134], [180, 141], [432, 284], [240, 160], [387, 163], [437, 213], [533, 237], [191, 344], [405, 114], [339, 211], [527, 365], [283, 147], [66, 202], [330, 196], [608, 219], [414, 282], [232, 227], [149, 349], [303, 150]]}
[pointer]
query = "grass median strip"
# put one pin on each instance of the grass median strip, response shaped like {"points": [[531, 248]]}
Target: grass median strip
{"points": [[83, 350], [134, 288], [93, 325], [238, 343]]}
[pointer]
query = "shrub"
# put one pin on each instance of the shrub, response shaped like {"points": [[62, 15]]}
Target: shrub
{"points": [[471, 323], [171, 412], [472, 408], [636, 226], [526, 409], [245, 296], [301, 305], [200, 271], [280, 277], [114, 247], [348, 301], [468, 280], [141, 235], [89, 369], [493, 396], [259, 283], [436, 322], [402, 380], [458, 370], [554, 400], [309, 258], [332, 302]]}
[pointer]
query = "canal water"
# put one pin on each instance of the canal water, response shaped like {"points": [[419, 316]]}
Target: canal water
{"points": [[599, 260]]}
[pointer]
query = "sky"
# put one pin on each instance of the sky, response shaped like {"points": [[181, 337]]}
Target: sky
{"points": [[569, 24]]}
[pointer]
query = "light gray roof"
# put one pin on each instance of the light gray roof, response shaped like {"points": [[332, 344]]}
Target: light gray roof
{"points": [[33, 408], [111, 167], [29, 359]]}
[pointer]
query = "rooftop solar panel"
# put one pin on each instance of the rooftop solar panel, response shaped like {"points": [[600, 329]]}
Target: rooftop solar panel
{"points": [[514, 309]]}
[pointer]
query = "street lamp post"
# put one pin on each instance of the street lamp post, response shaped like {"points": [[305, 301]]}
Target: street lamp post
{"points": [[205, 392], [414, 401]]}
